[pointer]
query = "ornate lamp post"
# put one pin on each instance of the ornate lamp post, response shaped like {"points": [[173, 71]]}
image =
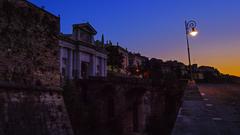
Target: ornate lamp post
{"points": [[190, 27]]}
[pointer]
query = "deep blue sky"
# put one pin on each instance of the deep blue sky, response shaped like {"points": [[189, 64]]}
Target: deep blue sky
{"points": [[155, 28]]}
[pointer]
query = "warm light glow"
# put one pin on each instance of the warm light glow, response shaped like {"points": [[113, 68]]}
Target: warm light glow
{"points": [[194, 32], [137, 70]]}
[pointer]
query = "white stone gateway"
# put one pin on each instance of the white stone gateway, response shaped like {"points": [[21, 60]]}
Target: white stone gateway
{"points": [[80, 58]]}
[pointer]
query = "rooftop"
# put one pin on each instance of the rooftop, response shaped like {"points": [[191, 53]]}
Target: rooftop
{"points": [[86, 26]]}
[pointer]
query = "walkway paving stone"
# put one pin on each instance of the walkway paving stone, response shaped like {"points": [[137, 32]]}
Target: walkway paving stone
{"points": [[209, 109], [193, 118]]}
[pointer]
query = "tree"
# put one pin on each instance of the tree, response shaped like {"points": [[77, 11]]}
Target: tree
{"points": [[98, 43], [115, 58], [102, 41]]}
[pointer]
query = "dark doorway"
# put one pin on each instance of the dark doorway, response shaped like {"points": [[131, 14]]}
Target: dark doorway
{"points": [[84, 70]]}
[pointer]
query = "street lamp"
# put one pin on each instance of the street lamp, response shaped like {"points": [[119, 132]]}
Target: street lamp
{"points": [[190, 27]]}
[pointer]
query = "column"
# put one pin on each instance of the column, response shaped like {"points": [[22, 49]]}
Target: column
{"points": [[102, 67], [94, 65], [105, 67], [60, 59], [70, 60], [78, 63]]}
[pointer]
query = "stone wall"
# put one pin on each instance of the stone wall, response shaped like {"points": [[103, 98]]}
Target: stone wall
{"points": [[236, 80], [92, 107], [122, 106], [29, 51], [32, 111]]}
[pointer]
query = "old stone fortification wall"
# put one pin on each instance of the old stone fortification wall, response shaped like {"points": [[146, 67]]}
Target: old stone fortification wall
{"points": [[29, 50], [32, 111], [122, 106], [92, 107]]}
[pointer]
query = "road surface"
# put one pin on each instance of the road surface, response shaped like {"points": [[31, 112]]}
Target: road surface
{"points": [[223, 105], [212, 109]]}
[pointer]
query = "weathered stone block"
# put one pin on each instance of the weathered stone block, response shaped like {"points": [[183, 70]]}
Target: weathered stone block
{"points": [[33, 112]]}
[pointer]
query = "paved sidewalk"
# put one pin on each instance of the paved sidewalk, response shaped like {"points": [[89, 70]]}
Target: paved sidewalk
{"points": [[193, 118], [224, 109]]}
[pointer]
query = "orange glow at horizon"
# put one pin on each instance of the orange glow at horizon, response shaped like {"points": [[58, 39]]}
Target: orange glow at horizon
{"points": [[224, 56], [225, 66]]}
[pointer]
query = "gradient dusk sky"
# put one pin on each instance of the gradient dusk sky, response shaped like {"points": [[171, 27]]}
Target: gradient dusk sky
{"points": [[155, 28]]}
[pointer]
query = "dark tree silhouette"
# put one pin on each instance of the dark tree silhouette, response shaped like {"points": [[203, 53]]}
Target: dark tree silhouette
{"points": [[115, 58]]}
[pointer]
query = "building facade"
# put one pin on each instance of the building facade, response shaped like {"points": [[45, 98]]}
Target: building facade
{"points": [[125, 62], [137, 65], [136, 60], [79, 57]]}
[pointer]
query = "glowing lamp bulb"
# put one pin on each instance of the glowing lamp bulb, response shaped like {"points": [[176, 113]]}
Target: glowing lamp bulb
{"points": [[194, 32]]}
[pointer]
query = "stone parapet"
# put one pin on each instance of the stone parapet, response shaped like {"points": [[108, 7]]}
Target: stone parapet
{"points": [[32, 111]]}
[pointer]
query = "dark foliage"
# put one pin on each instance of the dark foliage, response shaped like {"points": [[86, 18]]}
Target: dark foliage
{"points": [[115, 58]]}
